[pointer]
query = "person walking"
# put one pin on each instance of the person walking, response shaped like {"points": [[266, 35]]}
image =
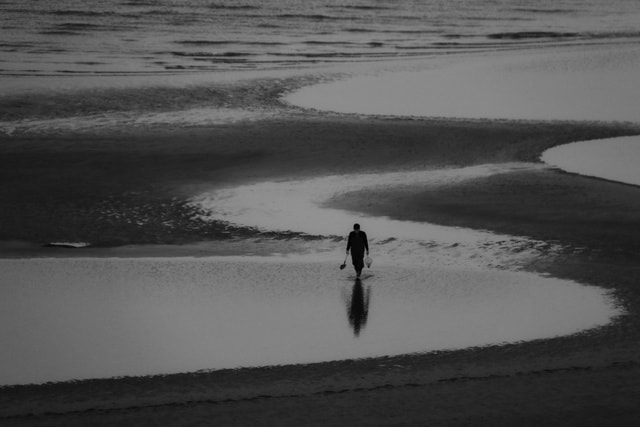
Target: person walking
{"points": [[358, 244]]}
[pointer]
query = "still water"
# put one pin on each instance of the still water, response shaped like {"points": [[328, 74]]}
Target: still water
{"points": [[63, 319], [588, 83], [615, 159]]}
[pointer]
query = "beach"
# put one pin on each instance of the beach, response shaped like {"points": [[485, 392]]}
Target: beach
{"points": [[174, 215], [591, 374]]}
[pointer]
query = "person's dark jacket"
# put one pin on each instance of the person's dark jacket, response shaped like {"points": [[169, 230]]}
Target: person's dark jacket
{"points": [[357, 243]]}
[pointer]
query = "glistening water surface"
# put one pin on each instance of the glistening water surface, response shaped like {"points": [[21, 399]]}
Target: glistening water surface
{"points": [[63, 319], [74, 37], [301, 206]]}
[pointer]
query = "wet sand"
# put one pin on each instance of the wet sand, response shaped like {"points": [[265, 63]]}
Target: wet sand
{"points": [[133, 189]]}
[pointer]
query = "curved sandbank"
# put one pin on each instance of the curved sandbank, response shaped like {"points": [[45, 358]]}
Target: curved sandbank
{"points": [[615, 159]]}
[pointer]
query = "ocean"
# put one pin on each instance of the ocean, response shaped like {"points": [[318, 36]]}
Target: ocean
{"points": [[81, 66], [65, 37]]}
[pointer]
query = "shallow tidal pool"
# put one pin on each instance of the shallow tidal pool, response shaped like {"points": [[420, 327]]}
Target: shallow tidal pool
{"points": [[64, 319]]}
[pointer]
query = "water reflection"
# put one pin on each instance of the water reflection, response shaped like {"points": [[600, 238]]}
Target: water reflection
{"points": [[358, 307]]}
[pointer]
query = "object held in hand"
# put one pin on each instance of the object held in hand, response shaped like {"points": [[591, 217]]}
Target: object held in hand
{"points": [[344, 263], [367, 261]]}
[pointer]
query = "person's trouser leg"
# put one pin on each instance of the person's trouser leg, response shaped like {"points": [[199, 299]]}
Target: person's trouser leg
{"points": [[358, 263]]}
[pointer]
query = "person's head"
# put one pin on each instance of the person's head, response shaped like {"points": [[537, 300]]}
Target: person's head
{"points": [[356, 226]]}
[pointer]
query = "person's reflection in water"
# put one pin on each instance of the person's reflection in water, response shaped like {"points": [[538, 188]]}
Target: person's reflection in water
{"points": [[358, 309]]}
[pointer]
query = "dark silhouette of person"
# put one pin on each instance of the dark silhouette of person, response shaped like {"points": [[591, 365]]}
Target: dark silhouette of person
{"points": [[358, 309], [358, 244]]}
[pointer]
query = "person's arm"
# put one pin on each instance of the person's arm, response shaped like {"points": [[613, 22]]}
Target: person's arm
{"points": [[348, 242]]}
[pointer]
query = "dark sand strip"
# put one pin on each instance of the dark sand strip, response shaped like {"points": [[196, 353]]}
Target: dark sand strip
{"points": [[118, 189]]}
